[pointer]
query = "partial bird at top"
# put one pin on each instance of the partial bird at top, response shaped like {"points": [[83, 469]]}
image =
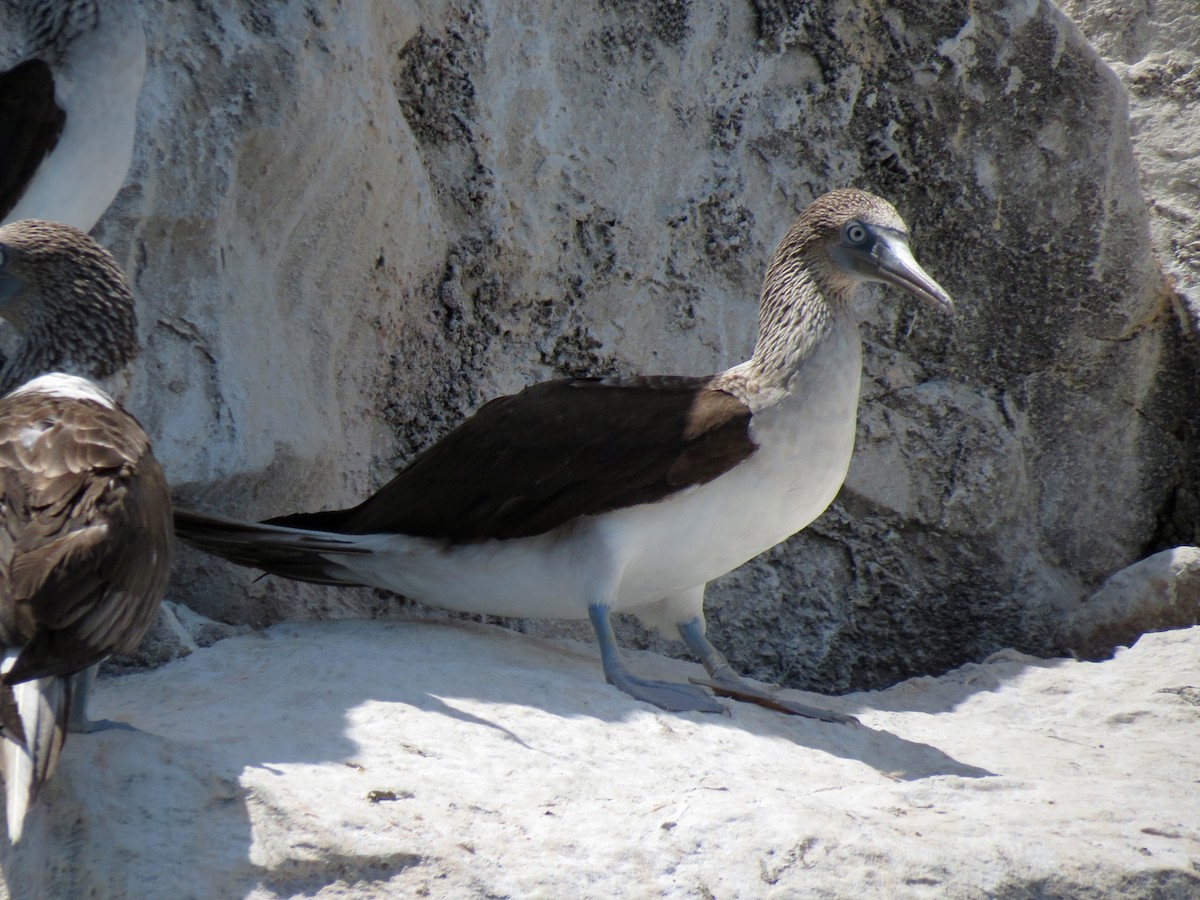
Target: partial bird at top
{"points": [[583, 497], [85, 513], [68, 109]]}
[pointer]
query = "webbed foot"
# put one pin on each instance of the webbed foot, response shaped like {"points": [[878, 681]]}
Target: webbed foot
{"points": [[727, 683], [741, 689], [666, 694], [663, 694]]}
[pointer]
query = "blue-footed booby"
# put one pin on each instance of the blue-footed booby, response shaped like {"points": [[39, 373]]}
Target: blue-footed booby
{"points": [[68, 109], [583, 497], [85, 514]]}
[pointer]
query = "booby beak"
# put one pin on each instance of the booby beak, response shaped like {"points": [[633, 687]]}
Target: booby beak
{"points": [[884, 255], [893, 263]]}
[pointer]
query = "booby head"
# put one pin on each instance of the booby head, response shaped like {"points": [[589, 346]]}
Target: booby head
{"points": [[68, 298], [849, 236], [53, 27]]}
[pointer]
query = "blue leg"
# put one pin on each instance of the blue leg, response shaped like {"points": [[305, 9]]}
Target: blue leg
{"points": [[80, 690], [727, 682], [663, 694], [79, 687]]}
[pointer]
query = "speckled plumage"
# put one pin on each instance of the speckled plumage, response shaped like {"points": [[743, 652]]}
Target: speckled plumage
{"points": [[803, 289], [51, 26], [85, 527], [79, 317]]}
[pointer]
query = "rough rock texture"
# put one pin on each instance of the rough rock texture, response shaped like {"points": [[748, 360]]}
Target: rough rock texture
{"points": [[1156, 594], [178, 632], [1155, 49], [380, 760], [351, 223]]}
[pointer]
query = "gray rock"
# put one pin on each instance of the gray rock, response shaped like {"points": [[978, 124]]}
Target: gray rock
{"points": [[1156, 594], [351, 224], [176, 633]]}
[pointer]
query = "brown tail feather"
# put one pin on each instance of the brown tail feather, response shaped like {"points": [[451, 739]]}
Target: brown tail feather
{"points": [[289, 552], [11, 726]]}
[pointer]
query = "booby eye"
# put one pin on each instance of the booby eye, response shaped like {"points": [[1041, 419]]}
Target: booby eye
{"points": [[855, 233]]}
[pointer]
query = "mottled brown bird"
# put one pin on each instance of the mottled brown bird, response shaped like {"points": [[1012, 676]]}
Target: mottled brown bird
{"points": [[85, 514], [584, 497]]}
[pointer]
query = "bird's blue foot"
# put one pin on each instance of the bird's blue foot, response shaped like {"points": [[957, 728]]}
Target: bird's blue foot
{"points": [[663, 694], [743, 689], [727, 683]]}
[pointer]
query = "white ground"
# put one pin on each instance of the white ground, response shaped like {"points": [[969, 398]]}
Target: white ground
{"points": [[516, 771]]}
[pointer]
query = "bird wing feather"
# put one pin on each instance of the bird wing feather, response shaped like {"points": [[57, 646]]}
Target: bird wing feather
{"points": [[30, 125], [527, 463], [87, 518]]}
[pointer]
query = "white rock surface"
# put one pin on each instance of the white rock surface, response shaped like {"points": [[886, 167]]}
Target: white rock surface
{"points": [[503, 766]]}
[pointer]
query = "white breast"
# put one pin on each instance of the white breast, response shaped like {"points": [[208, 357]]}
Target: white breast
{"points": [[805, 443], [66, 387]]}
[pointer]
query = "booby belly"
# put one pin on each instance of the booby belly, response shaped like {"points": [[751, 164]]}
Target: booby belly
{"points": [[579, 498]]}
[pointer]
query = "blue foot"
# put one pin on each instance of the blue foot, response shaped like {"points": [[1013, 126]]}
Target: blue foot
{"points": [[663, 694], [727, 683], [741, 689], [666, 694]]}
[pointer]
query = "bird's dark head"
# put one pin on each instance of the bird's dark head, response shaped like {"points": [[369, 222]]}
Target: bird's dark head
{"points": [[69, 299], [849, 236]]}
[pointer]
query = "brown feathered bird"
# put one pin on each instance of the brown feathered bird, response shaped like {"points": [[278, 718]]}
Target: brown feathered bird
{"points": [[584, 497], [85, 514]]}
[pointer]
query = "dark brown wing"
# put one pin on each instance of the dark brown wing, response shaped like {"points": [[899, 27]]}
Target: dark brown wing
{"points": [[30, 125], [527, 463], [87, 530]]}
